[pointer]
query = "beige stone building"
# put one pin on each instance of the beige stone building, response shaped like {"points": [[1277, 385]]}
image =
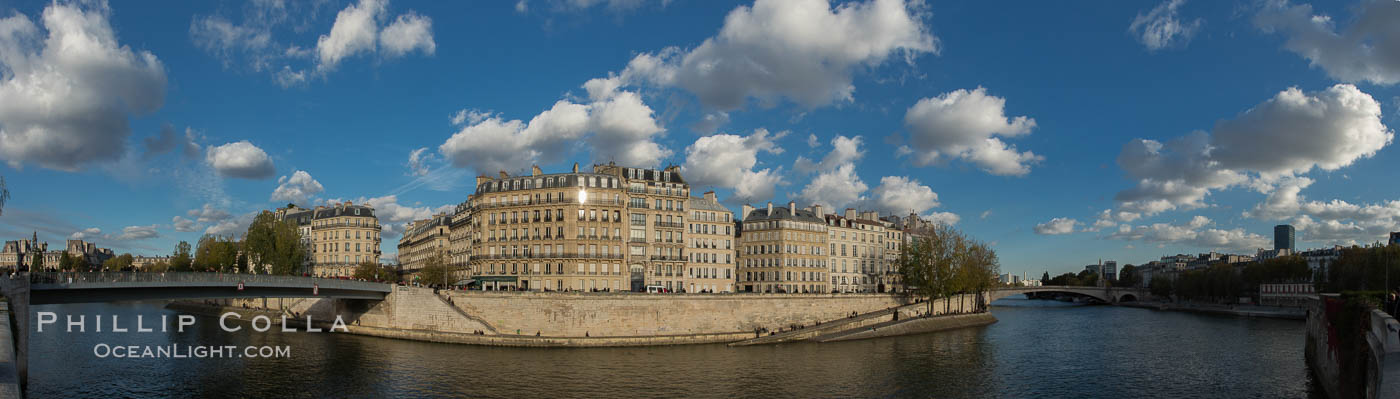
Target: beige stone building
{"points": [[656, 202], [562, 231], [21, 254], [141, 263], [783, 250], [338, 236], [856, 243], [459, 243], [423, 239], [709, 246]]}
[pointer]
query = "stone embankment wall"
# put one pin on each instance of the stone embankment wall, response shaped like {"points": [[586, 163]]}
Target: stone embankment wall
{"points": [[407, 308], [576, 319], [918, 325], [632, 315], [1352, 352]]}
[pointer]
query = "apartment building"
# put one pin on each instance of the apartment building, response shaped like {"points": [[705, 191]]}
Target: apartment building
{"points": [[709, 246], [338, 236], [782, 250], [856, 244], [423, 239], [557, 232], [655, 211]]}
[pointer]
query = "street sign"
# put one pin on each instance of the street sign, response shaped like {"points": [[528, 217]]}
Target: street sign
{"points": [[240, 286]]}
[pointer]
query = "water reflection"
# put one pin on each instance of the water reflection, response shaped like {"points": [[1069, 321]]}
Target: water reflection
{"points": [[1038, 349]]}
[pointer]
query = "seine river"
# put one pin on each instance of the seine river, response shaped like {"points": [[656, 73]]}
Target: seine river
{"points": [[1038, 349]]}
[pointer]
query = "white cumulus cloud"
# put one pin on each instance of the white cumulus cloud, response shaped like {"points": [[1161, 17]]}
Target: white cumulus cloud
{"points": [[240, 159], [817, 48], [67, 91], [297, 188], [1368, 49], [1057, 226], [731, 161], [965, 125]]}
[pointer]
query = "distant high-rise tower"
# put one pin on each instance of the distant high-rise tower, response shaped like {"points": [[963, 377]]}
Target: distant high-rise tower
{"points": [[1283, 237]]}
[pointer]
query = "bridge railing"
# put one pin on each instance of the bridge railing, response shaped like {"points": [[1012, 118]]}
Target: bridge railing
{"points": [[78, 279]]}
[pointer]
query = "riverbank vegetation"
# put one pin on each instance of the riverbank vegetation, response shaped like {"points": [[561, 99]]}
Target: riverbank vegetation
{"points": [[941, 262]]}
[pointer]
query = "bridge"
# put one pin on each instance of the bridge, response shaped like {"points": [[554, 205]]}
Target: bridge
{"points": [[56, 288], [1105, 294]]}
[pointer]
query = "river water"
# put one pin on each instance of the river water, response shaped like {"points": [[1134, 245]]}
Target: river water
{"points": [[1037, 349]]}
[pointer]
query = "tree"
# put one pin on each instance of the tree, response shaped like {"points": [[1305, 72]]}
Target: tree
{"points": [[1045, 278], [928, 263], [1128, 277], [66, 262], [374, 272], [181, 260], [118, 263], [1161, 287], [158, 267], [38, 263], [434, 270], [216, 254], [274, 243]]}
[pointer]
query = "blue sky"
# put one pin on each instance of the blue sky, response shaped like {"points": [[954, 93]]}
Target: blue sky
{"points": [[1061, 132]]}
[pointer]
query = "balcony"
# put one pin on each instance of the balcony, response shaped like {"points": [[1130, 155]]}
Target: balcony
{"points": [[667, 258], [672, 225], [636, 205], [637, 240]]}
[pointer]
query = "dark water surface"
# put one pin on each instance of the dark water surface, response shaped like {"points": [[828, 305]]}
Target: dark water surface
{"points": [[1038, 349]]}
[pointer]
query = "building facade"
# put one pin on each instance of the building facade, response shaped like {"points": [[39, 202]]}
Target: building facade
{"points": [[556, 232], [1283, 237], [709, 246], [24, 253], [856, 248], [656, 223], [461, 235], [783, 250], [423, 239], [338, 237]]}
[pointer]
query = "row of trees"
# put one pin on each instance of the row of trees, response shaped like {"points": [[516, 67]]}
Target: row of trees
{"points": [[1375, 268], [269, 246], [942, 262], [1226, 283]]}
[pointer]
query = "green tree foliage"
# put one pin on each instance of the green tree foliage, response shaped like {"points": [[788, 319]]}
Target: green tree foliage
{"points": [[1363, 269], [434, 270], [182, 260], [66, 262], [1161, 287], [118, 263], [374, 272], [38, 263], [158, 267], [1128, 277], [942, 261], [216, 254], [1218, 283], [275, 244], [1045, 277]]}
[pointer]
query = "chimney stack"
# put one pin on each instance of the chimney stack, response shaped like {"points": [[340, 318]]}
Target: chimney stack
{"points": [[792, 208], [770, 208], [817, 209], [504, 174], [747, 209], [710, 195], [535, 170], [482, 179], [850, 213], [575, 167]]}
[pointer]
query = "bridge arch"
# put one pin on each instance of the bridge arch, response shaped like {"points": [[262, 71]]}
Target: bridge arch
{"points": [[1107, 295]]}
